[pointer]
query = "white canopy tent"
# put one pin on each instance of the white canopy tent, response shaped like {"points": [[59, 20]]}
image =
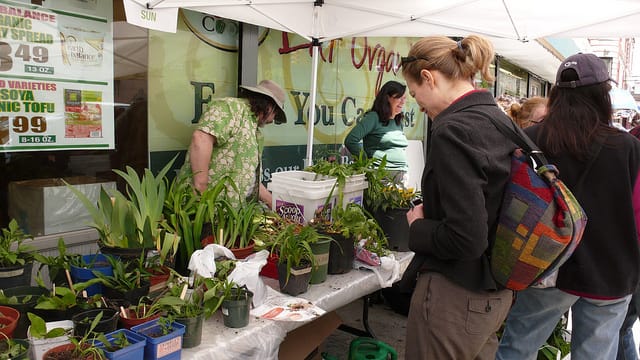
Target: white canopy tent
{"points": [[513, 25]]}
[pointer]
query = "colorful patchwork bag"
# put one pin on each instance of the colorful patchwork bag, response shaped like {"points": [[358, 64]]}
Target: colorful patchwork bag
{"points": [[540, 222]]}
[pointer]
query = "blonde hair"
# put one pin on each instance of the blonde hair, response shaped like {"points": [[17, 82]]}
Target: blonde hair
{"points": [[454, 59], [522, 113]]}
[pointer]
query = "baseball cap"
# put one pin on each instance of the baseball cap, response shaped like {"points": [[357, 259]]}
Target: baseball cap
{"points": [[590, 69], [275, 92]]}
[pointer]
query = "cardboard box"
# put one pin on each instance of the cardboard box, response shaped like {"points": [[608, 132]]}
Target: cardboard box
{"points": [[47, 206], [301, 342]]}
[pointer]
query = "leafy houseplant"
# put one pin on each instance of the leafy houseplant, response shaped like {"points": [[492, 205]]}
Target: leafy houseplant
{"points": [[134, 220], [122, 344], [13, 349], [236, 304], [160, 334], [57, 265], [15, 257], [235, 227], [80, 348], [295, 257], [125, 283]]}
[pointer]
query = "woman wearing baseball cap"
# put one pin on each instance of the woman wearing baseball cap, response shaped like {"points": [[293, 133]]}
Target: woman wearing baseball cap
{"points": [[601, 166]]}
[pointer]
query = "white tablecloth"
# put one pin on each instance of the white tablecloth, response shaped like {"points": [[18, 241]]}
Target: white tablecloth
{"points": [[261, 338]]}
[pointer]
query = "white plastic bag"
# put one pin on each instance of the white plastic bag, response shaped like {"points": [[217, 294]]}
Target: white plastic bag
{"points": [[203, 262], [247, 272]]}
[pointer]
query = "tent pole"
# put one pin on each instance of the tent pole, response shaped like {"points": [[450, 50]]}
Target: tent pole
{"points": [[315, 46]]}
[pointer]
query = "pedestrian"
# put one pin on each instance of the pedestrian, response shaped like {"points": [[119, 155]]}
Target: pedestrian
{"points": [[228, 141], [530, 112], [381, 132], [597, 281], [456, 307]]}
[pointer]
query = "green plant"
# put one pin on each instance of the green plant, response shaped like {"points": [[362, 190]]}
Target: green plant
{"points": [[12, 250], [134, 220], [63, 298], [120, 341], [166, 324], [181, 302], [292, 246], [38, 328], [123, 279], [10, 349], [235, 227], [187, 211], [83, 346], [355, 222], [556, 343], [57, 265]]}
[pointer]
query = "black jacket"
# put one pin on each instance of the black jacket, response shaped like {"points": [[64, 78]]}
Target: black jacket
{"points": [[606, 263], [467, 167]]}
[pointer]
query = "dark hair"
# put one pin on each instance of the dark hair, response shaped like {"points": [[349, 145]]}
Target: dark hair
{"points": [[259, 103], [381, 103], [576, 117]]}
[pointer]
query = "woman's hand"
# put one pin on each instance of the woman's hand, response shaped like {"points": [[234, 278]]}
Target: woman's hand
{"points": [[415, 213]]}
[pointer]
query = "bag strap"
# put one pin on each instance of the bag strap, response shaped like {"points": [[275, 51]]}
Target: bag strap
{"points": [[515, 134], [523, 141]]}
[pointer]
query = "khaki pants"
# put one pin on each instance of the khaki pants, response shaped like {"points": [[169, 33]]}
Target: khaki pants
{"points": [[447, 321]]}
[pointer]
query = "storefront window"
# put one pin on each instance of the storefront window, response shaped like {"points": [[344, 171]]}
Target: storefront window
{"points": [[535, 87], [70, 79], [512, 80]]}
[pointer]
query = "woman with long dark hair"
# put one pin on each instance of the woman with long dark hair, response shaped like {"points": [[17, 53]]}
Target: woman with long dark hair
{"points": [[381, 131], [596, 283]]}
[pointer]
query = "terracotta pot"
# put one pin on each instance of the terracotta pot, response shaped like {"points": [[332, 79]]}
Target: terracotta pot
{"points": [[8, 326], [133, 320], [241, 253], [63, 352]]}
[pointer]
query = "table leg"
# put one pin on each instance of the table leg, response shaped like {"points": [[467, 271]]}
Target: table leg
{"points": [[366, 303]]}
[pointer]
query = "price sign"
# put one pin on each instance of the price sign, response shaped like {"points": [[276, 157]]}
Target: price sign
{"points": [[56, 79]]}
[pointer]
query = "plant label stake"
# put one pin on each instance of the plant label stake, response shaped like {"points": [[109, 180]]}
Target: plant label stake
{"points": [[184, 292], [123, 313]]}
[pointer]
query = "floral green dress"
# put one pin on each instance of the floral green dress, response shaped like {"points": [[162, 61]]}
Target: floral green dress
{"points": [[238, 147]]}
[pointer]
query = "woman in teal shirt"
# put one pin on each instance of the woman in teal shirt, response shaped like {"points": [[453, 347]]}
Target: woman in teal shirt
{"points": [[380, 131]]}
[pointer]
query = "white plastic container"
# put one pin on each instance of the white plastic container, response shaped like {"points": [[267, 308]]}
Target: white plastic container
{"points": [[40, 346], [299, 195], [354, 190]]}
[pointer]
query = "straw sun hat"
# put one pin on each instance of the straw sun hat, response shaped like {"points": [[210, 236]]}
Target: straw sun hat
{"points": [[275, 92]]}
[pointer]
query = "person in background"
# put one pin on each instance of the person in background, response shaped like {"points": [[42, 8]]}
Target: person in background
{"points": [[597, 281], [530, 112], [381, 132], [228, 140], [457, 306]]}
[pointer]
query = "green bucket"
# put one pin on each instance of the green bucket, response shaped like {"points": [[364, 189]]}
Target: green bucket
{"points": [[320, 251], [371, 349]]}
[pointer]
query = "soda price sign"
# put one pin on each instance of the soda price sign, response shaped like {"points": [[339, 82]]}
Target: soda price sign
{"points": [[56, 79]]}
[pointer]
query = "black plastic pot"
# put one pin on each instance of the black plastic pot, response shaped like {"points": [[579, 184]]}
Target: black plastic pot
{"points": [[394, 224], [27, 299], [82, 321], [192, 330], [127, 255], [298, 279], [235, 312], [13, 276], [341, 253], [132, 296]]}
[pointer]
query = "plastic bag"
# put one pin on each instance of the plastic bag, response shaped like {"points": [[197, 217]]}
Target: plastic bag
{"points": [[247, 272], [203, 261]]}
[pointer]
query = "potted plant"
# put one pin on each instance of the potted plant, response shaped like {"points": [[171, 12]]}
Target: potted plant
{"points": [[140, 313], [123, 283], [44, 336], [390, 210], [122, 344], [82, 321], [190, 306], [80, 348], [62, 302], [236, 304], [86, 267], [128, 224], [16, 259], [295, 258], [11, 349], [162, 334], [23, 299], [58, 265], [235, 227], [8, 320]]}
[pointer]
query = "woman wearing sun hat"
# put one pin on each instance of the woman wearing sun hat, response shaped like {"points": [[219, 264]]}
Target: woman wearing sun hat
{"points": [[228, 141]]}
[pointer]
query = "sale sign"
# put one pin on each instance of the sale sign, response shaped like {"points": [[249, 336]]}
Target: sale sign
{"points": [[56, 79]]}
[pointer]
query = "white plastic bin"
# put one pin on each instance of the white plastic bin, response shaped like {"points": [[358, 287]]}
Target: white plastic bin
{"points": [[41, 346], [299, 195], [354, 190]]}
